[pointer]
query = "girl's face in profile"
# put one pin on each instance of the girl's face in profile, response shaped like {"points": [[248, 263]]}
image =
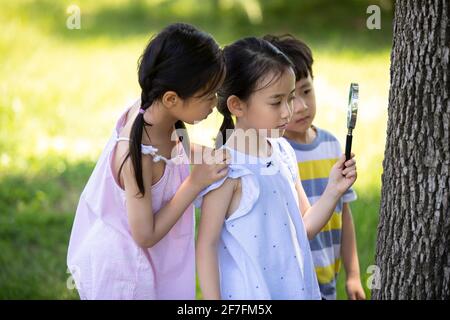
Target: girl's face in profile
{"points": [[198, 108], [270, 107], [193, 109]]}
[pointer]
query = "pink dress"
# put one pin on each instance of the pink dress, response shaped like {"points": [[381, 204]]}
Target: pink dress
{"points": [[103, 258]]}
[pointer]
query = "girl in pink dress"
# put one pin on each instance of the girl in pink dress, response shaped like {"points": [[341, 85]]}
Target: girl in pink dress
{"points": [[133, 234]]}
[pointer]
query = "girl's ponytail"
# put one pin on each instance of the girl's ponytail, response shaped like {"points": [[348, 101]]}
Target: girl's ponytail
{"points": [[227, 124]]}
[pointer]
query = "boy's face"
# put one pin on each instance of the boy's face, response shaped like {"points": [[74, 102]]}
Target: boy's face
{"points": [[304, 106]]}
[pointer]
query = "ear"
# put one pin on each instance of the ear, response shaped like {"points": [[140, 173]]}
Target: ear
{"points": [[236, 106], [170, 99]]}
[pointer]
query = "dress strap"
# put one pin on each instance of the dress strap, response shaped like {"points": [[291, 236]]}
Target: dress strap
{"points": [[147, 149], [150, 150]]}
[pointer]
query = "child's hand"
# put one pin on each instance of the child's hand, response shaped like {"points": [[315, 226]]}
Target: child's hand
{"points": [[213, 168], [354, 289], [342, 177]]}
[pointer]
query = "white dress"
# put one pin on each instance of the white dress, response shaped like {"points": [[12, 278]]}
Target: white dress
{"points": [[263, 251]]}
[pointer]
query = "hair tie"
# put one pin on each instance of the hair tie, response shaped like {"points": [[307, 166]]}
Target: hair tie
{"points": [[141, 111]]}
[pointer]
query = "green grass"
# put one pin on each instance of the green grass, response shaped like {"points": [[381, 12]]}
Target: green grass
{"points": [[35, 223], [61, 91]]}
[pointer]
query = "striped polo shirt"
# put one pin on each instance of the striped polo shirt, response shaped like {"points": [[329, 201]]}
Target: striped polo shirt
{"points": [[314, 162]]}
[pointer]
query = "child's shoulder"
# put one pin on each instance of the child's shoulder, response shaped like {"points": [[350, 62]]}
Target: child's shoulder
{"points": [[322, 135], [326, 135], [284, 144], [324, 145]]}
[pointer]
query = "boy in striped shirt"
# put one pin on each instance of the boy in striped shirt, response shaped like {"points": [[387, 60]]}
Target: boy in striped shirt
{"points": [[317, 151]]}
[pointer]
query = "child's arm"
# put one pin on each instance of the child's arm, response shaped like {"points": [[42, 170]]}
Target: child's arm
{"points": [[214, 209], [349, 255], [315, 217], [341, 178], [148, 228], [200, 153]]}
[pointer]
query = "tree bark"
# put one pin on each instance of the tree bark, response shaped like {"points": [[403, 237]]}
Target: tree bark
{"points": [[413, 242]]}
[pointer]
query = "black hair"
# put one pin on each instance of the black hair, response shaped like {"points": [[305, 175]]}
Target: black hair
{"points": [[298, 51], [182, 59], [247, 62]]}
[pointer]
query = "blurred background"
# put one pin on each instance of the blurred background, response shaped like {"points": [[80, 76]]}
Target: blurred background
{"points": [[62, 89]]}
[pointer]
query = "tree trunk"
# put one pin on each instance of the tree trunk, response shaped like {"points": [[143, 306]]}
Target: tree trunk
{"points": [[413, 243]]}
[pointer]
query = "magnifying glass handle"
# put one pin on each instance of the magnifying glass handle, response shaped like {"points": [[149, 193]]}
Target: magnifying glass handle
{"points": [[348, 147]]}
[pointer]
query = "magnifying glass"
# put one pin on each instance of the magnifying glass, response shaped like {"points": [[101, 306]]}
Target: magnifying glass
{"points": [[352, 111]]}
